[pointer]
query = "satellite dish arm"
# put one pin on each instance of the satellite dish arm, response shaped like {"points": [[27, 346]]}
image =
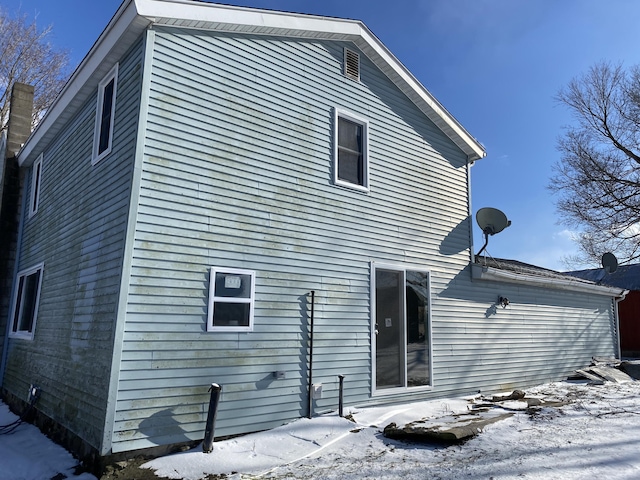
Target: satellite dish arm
{"points": [[486, 242]]}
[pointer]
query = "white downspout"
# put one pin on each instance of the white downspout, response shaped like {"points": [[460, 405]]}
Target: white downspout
{"points": [[616, 313]]}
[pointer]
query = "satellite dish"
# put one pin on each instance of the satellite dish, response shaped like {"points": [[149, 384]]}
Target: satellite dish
{"points": [[609, 262], [491, 221]]}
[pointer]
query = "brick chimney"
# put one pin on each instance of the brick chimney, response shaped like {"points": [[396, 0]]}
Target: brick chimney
{"points": [[11, 184]]}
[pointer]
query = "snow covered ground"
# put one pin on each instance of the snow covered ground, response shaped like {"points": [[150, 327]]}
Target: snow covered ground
{"points": [[595, 435], [26, 454]]}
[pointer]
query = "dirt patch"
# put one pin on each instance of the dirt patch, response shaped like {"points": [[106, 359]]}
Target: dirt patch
{"points": [[132, 470]]}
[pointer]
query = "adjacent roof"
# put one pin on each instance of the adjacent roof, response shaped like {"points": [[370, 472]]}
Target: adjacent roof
{"points": [[513, 271], [134, 16], [626, 276]]}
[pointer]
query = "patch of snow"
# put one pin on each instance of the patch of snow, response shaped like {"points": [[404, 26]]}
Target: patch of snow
{"points": [[27, 454]]}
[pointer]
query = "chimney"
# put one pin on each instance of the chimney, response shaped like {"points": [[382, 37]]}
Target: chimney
{"points": [[20, 116], [11, 184]]}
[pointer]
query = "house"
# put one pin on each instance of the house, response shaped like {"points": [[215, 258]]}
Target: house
{"points": [[625, 277], [266, 201]]}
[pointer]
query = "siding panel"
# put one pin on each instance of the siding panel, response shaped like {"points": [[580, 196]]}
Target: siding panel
{"points": [[237, 173], [79, 233]]}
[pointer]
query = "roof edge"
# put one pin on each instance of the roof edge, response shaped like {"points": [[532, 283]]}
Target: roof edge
{"points": [[483, 272], [134, 16]]}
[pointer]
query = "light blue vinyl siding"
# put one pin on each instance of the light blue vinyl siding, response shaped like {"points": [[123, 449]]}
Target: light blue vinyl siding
{"points": [[237, 174], [79, 234]]}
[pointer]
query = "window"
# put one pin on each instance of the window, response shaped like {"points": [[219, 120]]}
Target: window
{"points": [[25, 302], [36, 174], [105, 113], [231, 297], [350, 156], [401, 327]]}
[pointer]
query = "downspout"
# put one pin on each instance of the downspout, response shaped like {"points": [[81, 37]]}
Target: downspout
{"points": [[616, 313], [5, 346], [472, 256]]}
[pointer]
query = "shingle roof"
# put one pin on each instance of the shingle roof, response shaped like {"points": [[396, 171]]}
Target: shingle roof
{"points": [[626, 276]]}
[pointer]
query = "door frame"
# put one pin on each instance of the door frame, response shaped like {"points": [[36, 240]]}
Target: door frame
{"points": [[399, 267]]}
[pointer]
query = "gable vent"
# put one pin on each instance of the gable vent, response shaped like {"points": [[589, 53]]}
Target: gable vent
{"points": [[351, 64]]}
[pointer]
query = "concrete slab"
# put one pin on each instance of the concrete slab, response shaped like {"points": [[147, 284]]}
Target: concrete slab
{"points": [[449, 429]]}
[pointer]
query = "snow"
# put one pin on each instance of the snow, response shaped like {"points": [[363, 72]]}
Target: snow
{"points": [[594, 436], [591, 434], [26, 454]]}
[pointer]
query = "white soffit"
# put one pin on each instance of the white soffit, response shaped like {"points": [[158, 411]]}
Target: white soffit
{"points": [[134, 16]]}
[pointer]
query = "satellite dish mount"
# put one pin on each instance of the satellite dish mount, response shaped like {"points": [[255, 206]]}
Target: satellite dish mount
{"points": [[491, 221]]}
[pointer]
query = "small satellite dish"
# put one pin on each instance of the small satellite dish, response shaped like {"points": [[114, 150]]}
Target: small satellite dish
{"points": [[609, 262], [491, 221]]}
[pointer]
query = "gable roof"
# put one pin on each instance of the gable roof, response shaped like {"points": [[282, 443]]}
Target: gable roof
{"points": [[626, 276], [134, 16]]}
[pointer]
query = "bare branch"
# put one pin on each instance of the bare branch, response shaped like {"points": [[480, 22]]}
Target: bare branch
{"points": [[597, 179], [26, 56]]}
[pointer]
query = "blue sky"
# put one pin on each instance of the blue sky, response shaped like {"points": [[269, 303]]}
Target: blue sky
{"points": [[496, 65]]}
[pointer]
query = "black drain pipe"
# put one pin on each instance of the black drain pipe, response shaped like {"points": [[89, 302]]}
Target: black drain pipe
{"points": [[340, 396], [207, 443], [313, 300]]}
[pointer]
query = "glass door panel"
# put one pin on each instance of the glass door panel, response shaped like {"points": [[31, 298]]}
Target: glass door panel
{"points": [[417, 294], [389, 329]]}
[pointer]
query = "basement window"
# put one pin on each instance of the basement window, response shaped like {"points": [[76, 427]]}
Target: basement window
{"points": [[231, 300], [351, 64], [105, 113], [26, 298], [36, 177]]}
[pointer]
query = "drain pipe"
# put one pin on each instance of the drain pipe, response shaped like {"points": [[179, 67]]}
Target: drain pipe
{"points": [[616, 311], [207, 443], [313, 300], [341, 396]]}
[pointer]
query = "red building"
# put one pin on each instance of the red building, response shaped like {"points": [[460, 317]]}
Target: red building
{"points": [[627, 277]]}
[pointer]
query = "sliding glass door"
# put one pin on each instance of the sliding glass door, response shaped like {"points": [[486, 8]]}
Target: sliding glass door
{"points": [[401, 327]]}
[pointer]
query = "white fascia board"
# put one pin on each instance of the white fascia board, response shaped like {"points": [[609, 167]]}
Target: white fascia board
{"points": [[94, 66], [482, 272], [291, 24], [425, 101], [250, 18]]}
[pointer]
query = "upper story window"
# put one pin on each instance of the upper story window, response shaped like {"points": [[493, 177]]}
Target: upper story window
{"points": [[36, 177], [231, 299], [105, 113], [351, 166], [24, 308]]}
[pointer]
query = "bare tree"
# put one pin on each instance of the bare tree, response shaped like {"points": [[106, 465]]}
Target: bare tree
{"points": [[597, 179], [26, 56]]}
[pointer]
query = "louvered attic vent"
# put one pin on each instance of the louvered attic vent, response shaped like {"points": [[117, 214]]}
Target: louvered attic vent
{"points": [[351, 64]]}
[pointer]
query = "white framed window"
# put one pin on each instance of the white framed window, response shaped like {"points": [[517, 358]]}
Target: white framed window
{"points": [[231, 300], [105, 114], [350, 156], [401, 328], [36, 177], [26, 299]]}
